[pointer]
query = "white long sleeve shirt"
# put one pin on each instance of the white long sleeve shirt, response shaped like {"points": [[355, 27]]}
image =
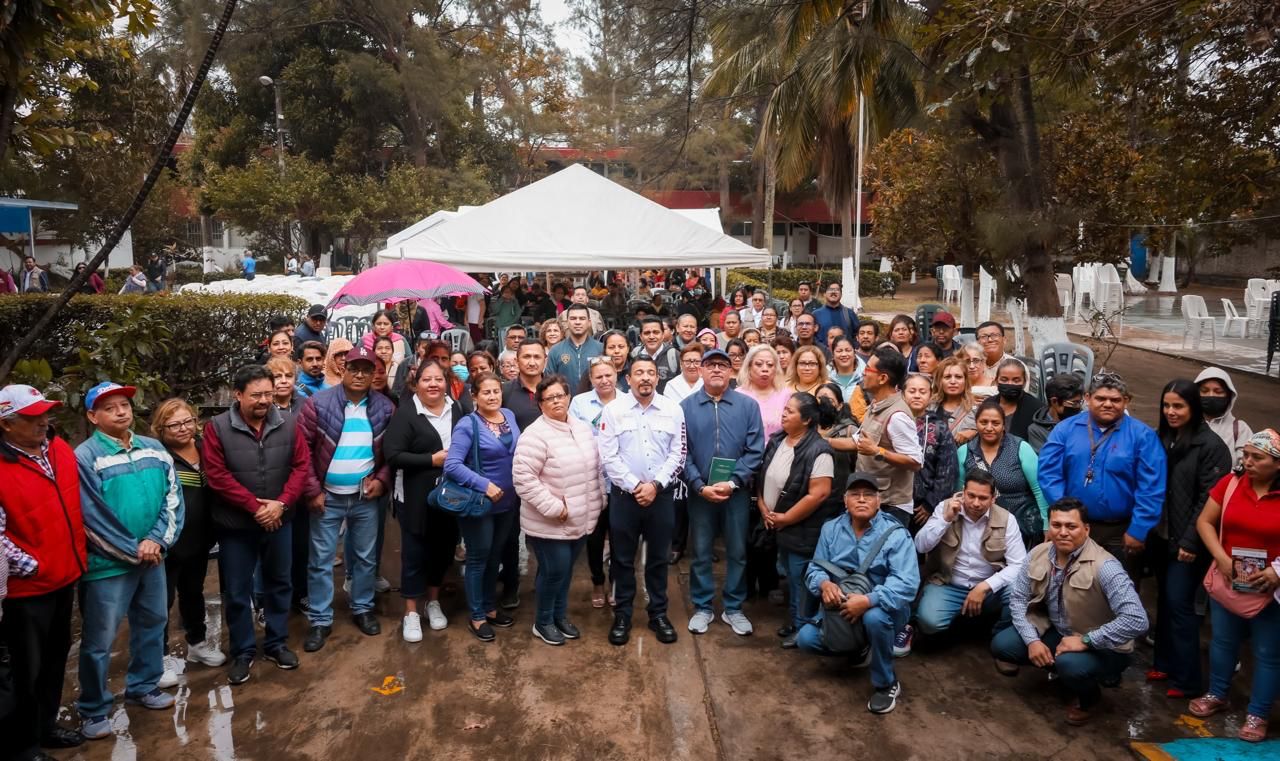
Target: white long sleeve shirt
{"points": [[971, 568], [639, 444]]}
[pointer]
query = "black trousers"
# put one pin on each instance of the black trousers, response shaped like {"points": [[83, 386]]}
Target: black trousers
{"points": [[36, 632], [628, 523], [595, 549], [509, 572], [762, 563], [184, 578], [425, 558], [680, 536], [301, 529]]}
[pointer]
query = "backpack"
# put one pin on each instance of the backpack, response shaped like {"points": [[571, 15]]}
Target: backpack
{"points": [[838, 634]]}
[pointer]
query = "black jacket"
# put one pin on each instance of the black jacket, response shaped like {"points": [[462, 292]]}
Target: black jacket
{"points": [[802, 537], [409, 443], [1041, 426], [1195, 465]]}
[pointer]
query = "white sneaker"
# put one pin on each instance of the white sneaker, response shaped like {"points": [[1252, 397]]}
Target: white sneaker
{"points": [[700, 621], [167, 680], [381, 585], [203, 652], [346, 586], [737, 621], [412, 628], [435, 616]]}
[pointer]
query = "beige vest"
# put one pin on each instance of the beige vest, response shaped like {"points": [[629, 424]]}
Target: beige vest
{"points": [[942, 559], [1084, 601], [875, 426]]}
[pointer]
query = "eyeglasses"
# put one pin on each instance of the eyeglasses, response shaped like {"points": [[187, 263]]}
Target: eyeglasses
{"points": [[592, 362], [553, 398], [360, 371], [718, 366], [690, 362], [861, 495], [808, 363], [180, 424], [991, 337], [973, 362]]}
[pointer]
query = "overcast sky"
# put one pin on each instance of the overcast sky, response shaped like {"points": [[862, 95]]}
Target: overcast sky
{"points": [[556, 12]]}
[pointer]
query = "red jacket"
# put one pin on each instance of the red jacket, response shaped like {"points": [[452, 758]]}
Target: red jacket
{"points": [[44, 518]]}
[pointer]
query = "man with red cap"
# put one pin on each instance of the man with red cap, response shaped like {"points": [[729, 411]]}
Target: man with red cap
{"points": [[43, 544], [133, 513], [943, 332]]}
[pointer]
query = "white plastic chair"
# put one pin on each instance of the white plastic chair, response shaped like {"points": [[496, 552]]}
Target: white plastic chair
{"points": [[1257, 305], [951, 280], [1232, 318], [1196, 320], [1064, 284]]}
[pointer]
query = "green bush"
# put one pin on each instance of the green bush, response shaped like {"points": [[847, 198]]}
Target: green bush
{"points": [[785, 282], [184, 345]]}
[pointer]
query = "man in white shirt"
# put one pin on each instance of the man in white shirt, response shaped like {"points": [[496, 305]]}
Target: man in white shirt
{"points": [[752, 313], [642, 446], [580, 296], [475, 316], [974, 553]]}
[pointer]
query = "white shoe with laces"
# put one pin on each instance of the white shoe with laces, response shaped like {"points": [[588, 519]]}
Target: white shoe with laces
{"points": [[381, 585], [699, 622], [737, 621], [167, 680], [203, 652], [412, 628], [435, 616]]}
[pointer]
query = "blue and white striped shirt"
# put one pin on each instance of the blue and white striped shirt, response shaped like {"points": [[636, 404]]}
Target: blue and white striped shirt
{"points": [[353, 457]]}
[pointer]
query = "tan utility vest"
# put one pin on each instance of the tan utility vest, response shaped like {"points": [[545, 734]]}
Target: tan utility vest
{"points": [[1083, 600], [875, 426], [942, 559]]}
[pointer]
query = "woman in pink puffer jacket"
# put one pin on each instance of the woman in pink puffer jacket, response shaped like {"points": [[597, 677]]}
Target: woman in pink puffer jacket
{"points": [[556, 472]]}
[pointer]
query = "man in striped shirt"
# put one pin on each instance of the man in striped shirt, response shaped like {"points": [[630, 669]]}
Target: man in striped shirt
{"points": [[343, 426]]}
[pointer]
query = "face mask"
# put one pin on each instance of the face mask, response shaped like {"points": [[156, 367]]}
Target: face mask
{"points": [[1215, 406], [1010, 391], [1070, 411], [461, 372]]}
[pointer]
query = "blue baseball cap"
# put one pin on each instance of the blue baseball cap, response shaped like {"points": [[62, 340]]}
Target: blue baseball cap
{"points": [[105, 389], [711, 354]]}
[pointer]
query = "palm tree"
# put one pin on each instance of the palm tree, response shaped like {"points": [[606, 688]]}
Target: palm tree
{"points": [[816, 60]]}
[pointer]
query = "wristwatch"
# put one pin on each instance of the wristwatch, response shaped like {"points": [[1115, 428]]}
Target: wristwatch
{"points": [[1087, 642], [880, 454]]}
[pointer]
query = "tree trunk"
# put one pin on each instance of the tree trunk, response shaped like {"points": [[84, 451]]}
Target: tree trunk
{"points": [[725, 198], [770, 195], [158, 165], [8, 110]]}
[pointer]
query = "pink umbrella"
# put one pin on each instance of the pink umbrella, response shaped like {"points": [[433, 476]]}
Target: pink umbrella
{"points": [[407, 279]]}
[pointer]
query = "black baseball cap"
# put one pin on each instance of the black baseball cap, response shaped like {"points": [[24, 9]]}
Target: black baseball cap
{"points": [[317, 310]]}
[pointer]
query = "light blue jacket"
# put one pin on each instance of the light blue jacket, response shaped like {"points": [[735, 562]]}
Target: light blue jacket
{"points": [[894, 572]]}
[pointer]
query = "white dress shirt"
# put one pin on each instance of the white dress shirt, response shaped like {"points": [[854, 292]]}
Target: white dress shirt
{"points": [[971, 568], [640, 444], [678, 388]]}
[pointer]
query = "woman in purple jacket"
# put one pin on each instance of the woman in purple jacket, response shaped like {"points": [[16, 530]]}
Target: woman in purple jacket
{"points": [[486, 535]]}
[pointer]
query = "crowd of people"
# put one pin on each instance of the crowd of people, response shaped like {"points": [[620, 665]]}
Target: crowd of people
{"points": [[887, 486]]}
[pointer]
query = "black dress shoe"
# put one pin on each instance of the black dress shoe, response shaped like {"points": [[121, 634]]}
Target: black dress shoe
{"points": [[620, 632], [61, 737], [568, 630], [483, 632], [283, 657], [367, 623], [37, 755], [663, 629], [316, 637], [674, 557], [787, 631]]}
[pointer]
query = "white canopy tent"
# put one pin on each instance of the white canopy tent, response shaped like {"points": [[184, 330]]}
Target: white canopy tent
{"points": [[574, 220]]}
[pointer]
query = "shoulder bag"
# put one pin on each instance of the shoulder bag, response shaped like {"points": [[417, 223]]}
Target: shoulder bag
{"points": [[839, 634], [1242, 604], [453, 497]]}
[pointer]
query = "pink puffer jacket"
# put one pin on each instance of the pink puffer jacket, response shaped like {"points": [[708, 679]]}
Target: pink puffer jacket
{"points": [[557, 464]]}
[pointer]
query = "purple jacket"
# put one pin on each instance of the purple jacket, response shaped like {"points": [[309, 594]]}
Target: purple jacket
{"points": [[320, 425]]}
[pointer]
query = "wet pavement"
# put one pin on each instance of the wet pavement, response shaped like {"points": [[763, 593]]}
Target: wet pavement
{"points": [[717, 696]]}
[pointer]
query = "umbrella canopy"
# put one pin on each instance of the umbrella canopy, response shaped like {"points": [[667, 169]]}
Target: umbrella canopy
{"points": [[409, 279]]}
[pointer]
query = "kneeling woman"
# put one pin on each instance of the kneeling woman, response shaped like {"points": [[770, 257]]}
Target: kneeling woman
{"points": [[416, 443], [557, 475]]}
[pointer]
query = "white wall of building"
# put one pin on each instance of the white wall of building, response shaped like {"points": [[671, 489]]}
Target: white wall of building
{"points": [[62, 258]]}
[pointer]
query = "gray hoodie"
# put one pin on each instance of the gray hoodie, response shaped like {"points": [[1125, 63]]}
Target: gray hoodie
{"points": [[1233, 431]]}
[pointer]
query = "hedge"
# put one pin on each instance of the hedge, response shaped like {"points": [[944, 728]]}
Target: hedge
{"points": [[785, 282], [185, 345]]}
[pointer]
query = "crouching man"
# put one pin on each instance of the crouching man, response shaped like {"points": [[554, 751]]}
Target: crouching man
{"points": [[848, 543], [1074, 611], [974, 553]]}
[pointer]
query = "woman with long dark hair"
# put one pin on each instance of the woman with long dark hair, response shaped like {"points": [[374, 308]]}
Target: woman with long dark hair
{"points": [[1197, 459], [795, 497]]}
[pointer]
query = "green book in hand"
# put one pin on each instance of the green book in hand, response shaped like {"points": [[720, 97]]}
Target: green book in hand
{"points": [[721, 469]]}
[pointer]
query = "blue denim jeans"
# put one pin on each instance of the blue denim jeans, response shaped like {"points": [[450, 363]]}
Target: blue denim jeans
{"points": [[361, 516], [140, 595], [555, 572], [484, 537], [1080, 673], [940, 604], [239, 552], [1229, 631], [729, 519], [383, 505], [881, 625], [1177, 625], [800, 603]]}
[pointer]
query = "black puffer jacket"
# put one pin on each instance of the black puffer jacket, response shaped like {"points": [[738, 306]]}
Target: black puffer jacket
{"points": [[1196, 463]]}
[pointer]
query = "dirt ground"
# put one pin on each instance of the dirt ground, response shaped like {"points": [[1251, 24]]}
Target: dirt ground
{"points": [[717, 696]]}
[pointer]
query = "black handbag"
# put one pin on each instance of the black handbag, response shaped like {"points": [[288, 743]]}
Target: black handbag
{"points": [[840, 635], [453, 497]]}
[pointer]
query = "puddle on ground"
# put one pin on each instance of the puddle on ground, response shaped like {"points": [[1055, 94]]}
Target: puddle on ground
{"points": [[221, 710]]}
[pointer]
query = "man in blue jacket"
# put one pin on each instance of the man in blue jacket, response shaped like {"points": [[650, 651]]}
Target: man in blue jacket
{"points": [[569, 357], [893, 573], [1112, 463], [726, 446]]}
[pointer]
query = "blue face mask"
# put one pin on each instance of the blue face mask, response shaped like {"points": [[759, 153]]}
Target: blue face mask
{"points": [[461, 372]]}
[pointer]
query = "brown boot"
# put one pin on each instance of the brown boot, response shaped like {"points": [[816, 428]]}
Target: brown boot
{"points": [[1077, 716]]}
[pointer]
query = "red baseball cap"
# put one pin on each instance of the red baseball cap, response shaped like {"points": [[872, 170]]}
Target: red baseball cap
{"points": [[361, 354], [945, 318], [17, 399]]}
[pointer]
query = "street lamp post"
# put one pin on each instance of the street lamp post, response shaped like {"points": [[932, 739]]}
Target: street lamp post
{"points": [[280, 130]]}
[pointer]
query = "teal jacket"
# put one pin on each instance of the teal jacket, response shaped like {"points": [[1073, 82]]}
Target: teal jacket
{"points": [[127, 495]]}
